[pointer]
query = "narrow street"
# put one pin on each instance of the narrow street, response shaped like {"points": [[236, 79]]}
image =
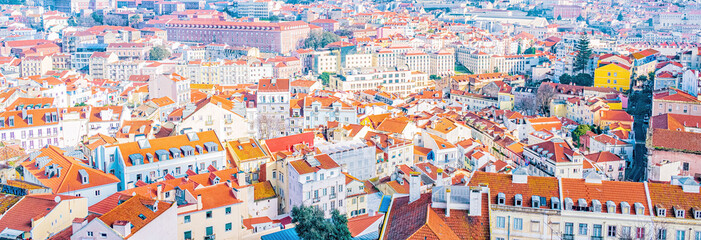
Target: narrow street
{"points": [[639, 106]]}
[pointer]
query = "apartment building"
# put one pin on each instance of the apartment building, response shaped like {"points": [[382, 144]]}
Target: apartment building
{"points": [[31, 128], [554, 158], [172, 85], [57, 169], [316, 180], [35, 65], [354, 156], [152, 160], [273, 102], [281, 37], [676, 102], [98, 62]]}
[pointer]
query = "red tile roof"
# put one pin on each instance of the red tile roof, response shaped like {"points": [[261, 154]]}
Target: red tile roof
{"points": [[274, 85], [672, 196], [359, 224], [616, 191], [130, 210], [417, 220], [502, 183], [20, 216], [69, 178]]}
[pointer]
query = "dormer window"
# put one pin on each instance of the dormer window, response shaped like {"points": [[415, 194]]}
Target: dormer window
{"points": [[501, 199], [639, 208], [679, 213], [535, 201], [661, 212], [610, 207], [595, 205], [518, 200], [2, 122], [582, 204], [30, 120], [554, 203], [697, 213], [625, 208], [11, 121], [568, 203]]}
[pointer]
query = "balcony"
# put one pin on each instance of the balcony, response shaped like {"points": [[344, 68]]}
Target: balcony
{"points": [[209, 122], [332, 196], [209, 237], [568, 236], [597, 238], [316, 200]]}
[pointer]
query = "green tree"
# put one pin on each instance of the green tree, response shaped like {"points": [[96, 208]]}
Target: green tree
{"points": [[311, 225], [559, 17], [434, 77], [158, 53], [325, 77], [583, 53], [496, 69], [649, 22], [580, 18], [565, 79], [530, 50], [620, 17], [134, 19], [320, 40], [344, 33], [583, 79], [97, 17], [580, 131]]}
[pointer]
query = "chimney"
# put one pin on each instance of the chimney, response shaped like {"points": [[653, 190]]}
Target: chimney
{"points": [[122, 227], [159, 191], [439, 178], [78, 223], [199, 201], [241, 178], [447, 201], [414, 187]]}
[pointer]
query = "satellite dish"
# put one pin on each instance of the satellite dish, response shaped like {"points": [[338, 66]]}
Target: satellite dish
{"points": [[57, 199]]}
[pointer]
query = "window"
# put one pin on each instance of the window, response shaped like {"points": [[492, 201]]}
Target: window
{"points": [[583, 228], [569, 228], [640, 232], [625, 232], [228, 210], [597, 231], [518, 224], [209, 230], [611, 231], [681, 234], [209, 214], [188, 235], [97, 192], [662, 234], [227, 227], [103, 235], [697, 235], [501, 222], [142, 216], [187, 219], [535, 226], [90, 234]]}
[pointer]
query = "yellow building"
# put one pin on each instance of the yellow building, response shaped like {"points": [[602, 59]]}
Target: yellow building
{"points": [[39, 216], [356, 196], [613, 75], [506, 100]]}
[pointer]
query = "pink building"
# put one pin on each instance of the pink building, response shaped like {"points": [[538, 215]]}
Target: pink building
{"points": [[567, 11], [282, 37], [676, 102], [329, 25]]}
